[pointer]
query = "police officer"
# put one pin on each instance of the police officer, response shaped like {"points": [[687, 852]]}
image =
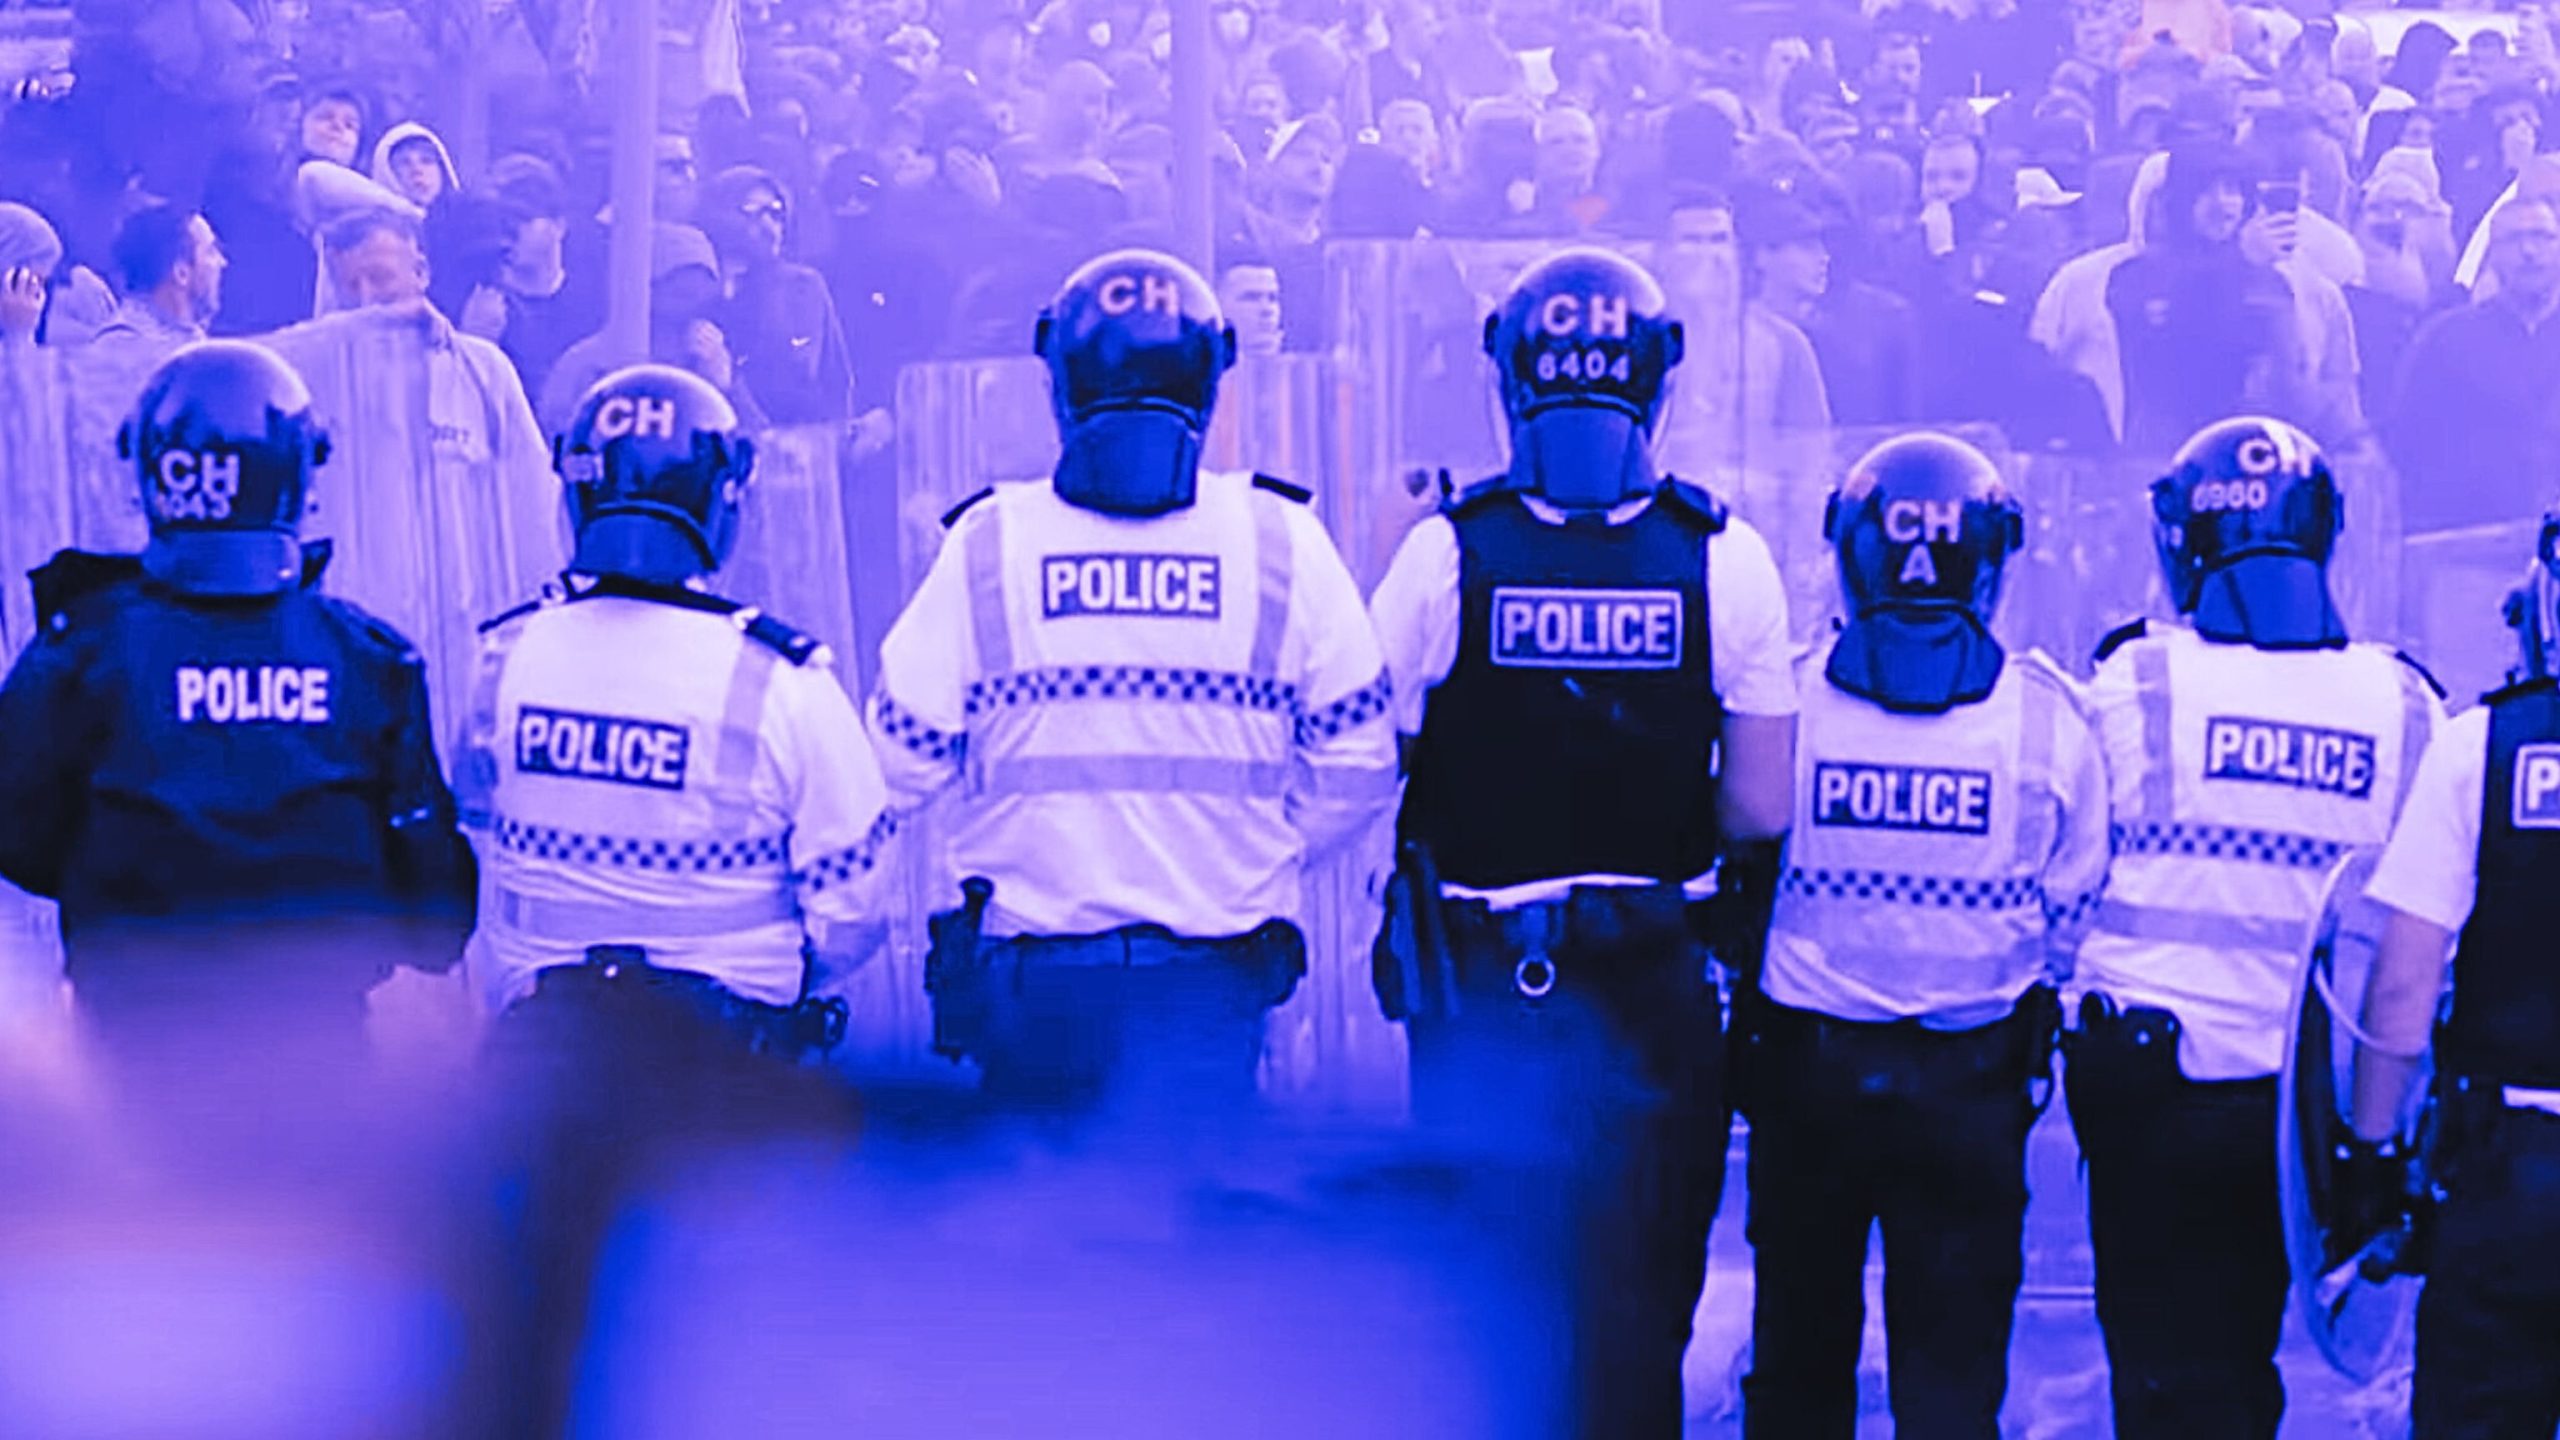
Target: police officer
{"points": [[1950, 833], [2473, 857], [681, 822], [1592, 671], [1161, 696], [226, 778], [2248, 749]]}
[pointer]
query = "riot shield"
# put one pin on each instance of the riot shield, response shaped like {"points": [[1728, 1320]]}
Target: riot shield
{"points": [[2358, 1305]]}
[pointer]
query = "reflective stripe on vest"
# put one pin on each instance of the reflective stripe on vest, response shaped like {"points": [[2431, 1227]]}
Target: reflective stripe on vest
{"points": [[2031, 827], [984, 559], [2159, 796], [580, 922], [2198, 928], [475, 770], [732, 792], [1152, 774], [1271, 552]]}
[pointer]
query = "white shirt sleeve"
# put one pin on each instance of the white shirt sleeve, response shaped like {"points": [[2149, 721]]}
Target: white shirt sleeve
{"points": [[918, 719], [1416, 612], [839, 816], [2075, 873], [2431, 868], [1345, 771], [1754, 662]]}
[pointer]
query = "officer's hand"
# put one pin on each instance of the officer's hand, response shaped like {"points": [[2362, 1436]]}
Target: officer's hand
{"points": [[2372, 1194], [21, 303]]}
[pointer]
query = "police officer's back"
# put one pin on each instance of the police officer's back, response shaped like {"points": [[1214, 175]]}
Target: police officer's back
{"points": [[1950, 832], [680, 822], [1591, 670], [2247, 750], [1162, 696], [225, 777], [2473, 857]]}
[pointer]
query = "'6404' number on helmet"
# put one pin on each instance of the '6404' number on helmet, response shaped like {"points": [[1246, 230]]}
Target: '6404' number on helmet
{"points": [[1583, 365]]}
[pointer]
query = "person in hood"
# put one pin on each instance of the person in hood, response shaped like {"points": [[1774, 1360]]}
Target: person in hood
{"points": [[2205, 325], [410, 160], [780, 315]]}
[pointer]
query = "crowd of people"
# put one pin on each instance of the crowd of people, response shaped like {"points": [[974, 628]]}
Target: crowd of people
{"points": [[2128, 221]]}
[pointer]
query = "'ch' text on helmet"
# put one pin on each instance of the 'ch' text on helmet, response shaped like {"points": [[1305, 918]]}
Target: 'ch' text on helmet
{"points": [[1135, 344], [2246, 520], [223, 444], [655, 470], [1924, 526], [1584, 344]]}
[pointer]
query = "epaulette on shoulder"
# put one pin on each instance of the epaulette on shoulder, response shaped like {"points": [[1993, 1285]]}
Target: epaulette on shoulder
{"points": [[2423, 673], [552, 594], [72, 576], [952, 516], [1698, 501], [1283, 488], [2118, 638], [793, 645]]}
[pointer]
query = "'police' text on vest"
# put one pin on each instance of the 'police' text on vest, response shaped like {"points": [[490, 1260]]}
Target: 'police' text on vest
{"points": [[1902, 797], [1184, 586], [1586, 629], [612, 748], [2535, 800], [244, 694], [2273, 752]]}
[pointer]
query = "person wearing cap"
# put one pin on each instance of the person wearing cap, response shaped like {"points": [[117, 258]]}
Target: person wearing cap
{"points": [[684, 330]]}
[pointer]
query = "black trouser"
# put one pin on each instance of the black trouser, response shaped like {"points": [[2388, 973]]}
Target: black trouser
{"points": [[1596, 1121], [2489, 1318], [608, 1082], [2187, 1229], [1136, 1025], [1924, 1132]]}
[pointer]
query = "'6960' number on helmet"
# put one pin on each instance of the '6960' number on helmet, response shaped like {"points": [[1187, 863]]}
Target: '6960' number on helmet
{"points": [[1583, 365], [2228, 495]]}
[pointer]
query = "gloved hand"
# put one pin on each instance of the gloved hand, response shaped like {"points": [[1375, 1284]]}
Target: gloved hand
{"points": [[2370, 1181]]}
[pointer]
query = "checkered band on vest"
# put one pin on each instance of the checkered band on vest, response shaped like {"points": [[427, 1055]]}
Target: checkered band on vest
{"points": [[1944, 891], [1129, 682], [2227, 842], [691, 857], [852, 862], [1348, 713]]}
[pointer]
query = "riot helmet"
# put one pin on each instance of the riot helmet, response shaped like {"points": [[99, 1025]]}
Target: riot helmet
{"points": [[223, 444], [2246, 520], [655, 470], [1924, 526], [1584, 344], [2533, 608], [1135, 345]]}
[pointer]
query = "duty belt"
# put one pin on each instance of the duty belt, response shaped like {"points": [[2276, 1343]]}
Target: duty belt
{"points": [[1608, 933], [1133, 946]]}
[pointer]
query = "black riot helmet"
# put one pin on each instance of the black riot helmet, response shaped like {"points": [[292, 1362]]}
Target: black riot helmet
{"points": [[223, 444], [1584, 346], [1135, 344], [1924, 526], [2246, 520], [2533, 608], [655, 469], [1923, 521]]}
